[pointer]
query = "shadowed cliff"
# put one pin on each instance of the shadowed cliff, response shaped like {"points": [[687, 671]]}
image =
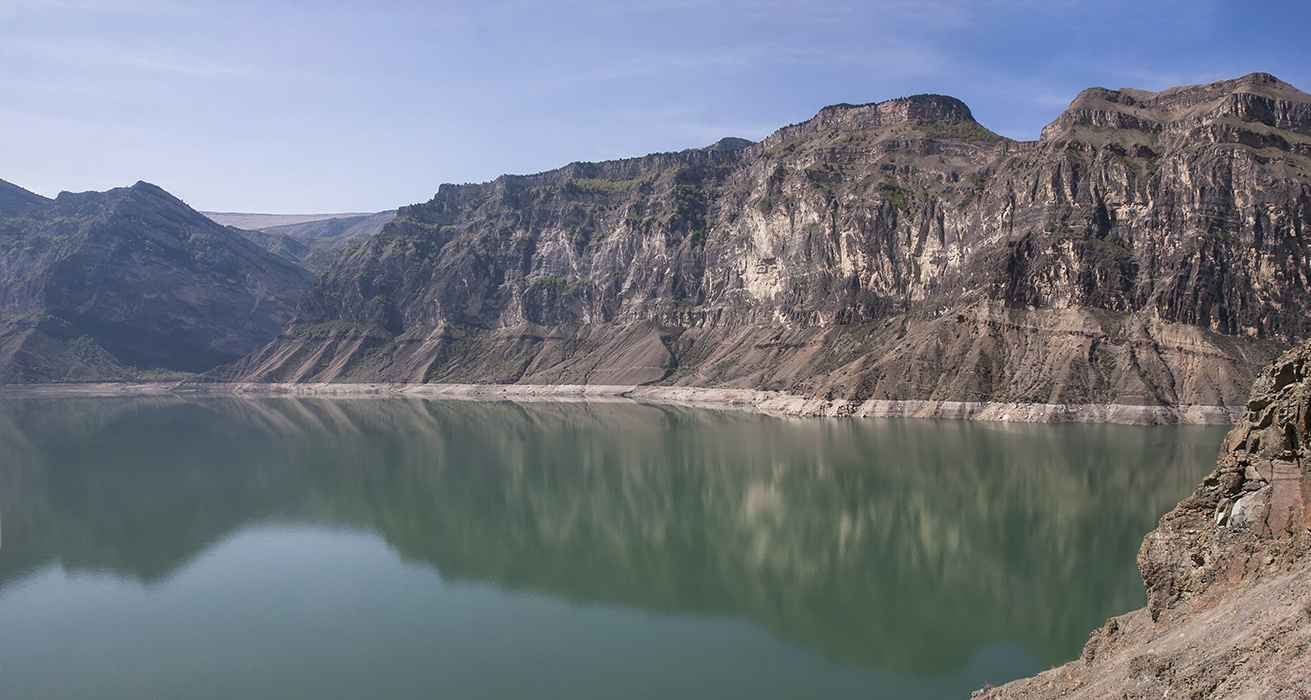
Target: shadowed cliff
{"points": [[130, 283]]}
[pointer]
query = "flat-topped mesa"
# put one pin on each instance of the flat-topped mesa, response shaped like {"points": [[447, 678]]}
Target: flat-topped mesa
{"points": [[1255, 98], [901, 110], [877, 115]]}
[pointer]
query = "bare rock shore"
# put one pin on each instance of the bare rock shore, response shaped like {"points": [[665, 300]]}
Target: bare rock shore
{"points": [[1227, 572], [767, 402]]}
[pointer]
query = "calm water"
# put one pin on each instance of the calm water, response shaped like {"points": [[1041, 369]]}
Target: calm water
{"points": [[280, 548]]}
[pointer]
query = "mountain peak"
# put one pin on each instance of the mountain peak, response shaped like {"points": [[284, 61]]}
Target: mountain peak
{"points": [[1255, 97], [153, 191], [888, 117], [148, 282], [14, 198], [730, 143], [898, 111]]}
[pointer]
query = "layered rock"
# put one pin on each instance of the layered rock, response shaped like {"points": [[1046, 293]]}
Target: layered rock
{"points": [[128, 282], [1227, 573], [1149, 249]]}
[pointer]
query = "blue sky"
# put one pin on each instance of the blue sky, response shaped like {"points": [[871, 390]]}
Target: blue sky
{"points": [[325, 106]]}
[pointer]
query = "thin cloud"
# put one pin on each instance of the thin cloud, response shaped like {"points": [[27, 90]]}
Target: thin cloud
{"points": [[96, 57], [83, 8]]}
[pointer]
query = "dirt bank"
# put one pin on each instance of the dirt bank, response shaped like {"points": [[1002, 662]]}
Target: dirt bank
{"points": [[768, 402]]}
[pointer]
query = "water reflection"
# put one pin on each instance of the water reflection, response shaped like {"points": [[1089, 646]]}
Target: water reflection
{"points": [[903, 545]]}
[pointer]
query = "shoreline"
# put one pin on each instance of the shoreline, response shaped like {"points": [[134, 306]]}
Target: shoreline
{"points": [[758, 401]]}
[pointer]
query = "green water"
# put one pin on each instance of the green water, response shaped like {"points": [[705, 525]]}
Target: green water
{"points": [[280, 548]]}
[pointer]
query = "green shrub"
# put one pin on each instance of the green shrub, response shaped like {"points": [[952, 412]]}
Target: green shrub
{"points": [[893, 192], [85, 348], [971, 132], [598, 186], [549, 284]]}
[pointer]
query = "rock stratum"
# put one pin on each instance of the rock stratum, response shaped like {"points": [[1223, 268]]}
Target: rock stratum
{"points": [[130, 283], [1227, 573], [1150, 249]]}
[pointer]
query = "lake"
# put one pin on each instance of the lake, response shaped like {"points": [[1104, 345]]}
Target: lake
{"points": [[164, 547]]}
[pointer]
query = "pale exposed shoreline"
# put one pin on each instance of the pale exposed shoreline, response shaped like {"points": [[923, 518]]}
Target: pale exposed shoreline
{"points": [[767, 402]]}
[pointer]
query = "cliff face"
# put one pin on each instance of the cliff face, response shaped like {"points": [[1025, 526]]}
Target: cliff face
{"points": [[107, 284], [1149, 249], [1227, 573]]}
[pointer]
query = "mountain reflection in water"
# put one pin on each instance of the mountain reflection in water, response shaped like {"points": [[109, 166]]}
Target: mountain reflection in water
{"points": [[894, 544]]}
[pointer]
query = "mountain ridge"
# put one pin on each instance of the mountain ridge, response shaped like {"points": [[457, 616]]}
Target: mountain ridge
{"points": [[1257, 96], [310, 240], [895, 250], [306, 225]]}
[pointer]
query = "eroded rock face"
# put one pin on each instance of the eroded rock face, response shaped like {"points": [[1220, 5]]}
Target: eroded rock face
{"points": [[1149, 249], [1251, 515], [102, 285], [1227, 573]]}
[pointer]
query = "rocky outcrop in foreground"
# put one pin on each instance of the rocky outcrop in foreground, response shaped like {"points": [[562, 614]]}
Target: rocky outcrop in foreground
{"points": [[1227, 572], [130, 283], [1148, 250]]}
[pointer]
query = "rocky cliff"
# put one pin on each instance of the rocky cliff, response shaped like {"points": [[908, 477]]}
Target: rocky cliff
{"points": [[128, 282], [1148, 249], [1227, 573]]}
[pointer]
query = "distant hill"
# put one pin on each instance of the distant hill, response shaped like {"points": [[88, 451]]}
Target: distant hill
{"points": [[307, 225], [309, 239], [130, 283]]}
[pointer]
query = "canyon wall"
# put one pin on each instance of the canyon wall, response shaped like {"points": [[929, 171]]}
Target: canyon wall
{"points": [[1149, 249]]}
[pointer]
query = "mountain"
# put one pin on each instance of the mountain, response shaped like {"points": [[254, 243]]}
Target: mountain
{"points": [[1149, 249], [1227, 572], [311, 240], [124, 283]]}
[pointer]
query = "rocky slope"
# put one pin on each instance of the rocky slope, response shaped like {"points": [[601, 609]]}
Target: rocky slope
{"points": [[1148, 249], [129, 282], [313, 254], [1227, 573]]}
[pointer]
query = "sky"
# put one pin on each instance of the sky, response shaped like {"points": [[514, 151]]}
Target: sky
{"points": [[339, 106]]}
